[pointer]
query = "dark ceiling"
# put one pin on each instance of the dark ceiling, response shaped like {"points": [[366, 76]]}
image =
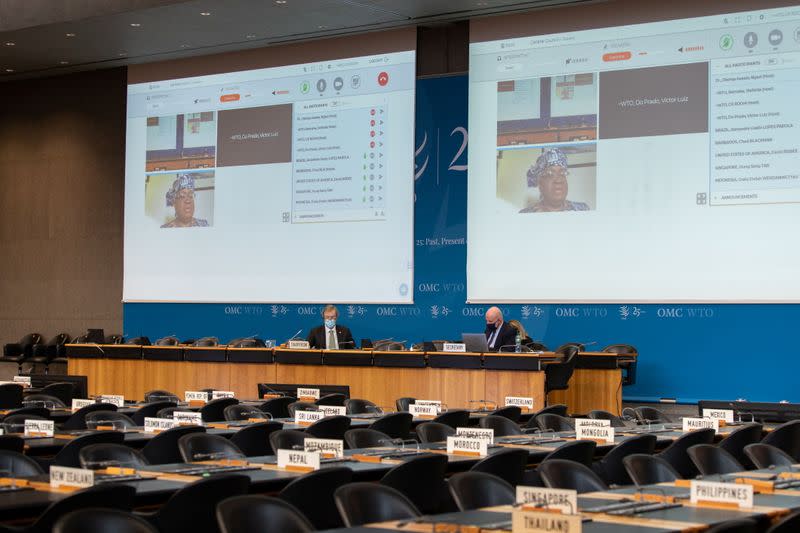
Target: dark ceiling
{"points": [[49, 37]]}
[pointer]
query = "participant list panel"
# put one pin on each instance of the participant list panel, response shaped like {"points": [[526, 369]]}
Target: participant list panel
{"points": [[339, 161], [754, 120]]}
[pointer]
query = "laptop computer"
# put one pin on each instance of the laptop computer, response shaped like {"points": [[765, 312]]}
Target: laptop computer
{"points": [[475, 342]]}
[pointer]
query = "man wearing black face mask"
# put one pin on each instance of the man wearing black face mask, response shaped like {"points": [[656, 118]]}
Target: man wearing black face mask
{"points": [[498, 332]]}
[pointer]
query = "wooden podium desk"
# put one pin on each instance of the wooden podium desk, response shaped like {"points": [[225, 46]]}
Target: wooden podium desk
{"points": [[454, 378], [595, 384]]}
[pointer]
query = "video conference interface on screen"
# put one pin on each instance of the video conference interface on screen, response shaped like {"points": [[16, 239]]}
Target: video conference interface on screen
{"points": [[285, 184], [651, 162]]}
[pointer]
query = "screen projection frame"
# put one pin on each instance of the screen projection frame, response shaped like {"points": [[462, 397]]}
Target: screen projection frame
{"points": [[316, 53], [546, 26]]}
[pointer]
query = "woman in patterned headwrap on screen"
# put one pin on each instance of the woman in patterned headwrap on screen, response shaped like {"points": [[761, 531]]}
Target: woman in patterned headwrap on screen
{"points": [[181, 197], [549, 174]]}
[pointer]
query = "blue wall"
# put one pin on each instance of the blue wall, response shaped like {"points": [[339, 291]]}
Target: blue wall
{"points": [[688, 352]]}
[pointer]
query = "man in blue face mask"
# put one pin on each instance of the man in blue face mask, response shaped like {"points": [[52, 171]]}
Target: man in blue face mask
{"points": [[331, 336]]}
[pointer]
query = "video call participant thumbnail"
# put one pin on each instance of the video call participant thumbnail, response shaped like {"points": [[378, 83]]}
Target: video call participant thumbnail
{"points": [[181, 197], [549, 174], [330, 335]]}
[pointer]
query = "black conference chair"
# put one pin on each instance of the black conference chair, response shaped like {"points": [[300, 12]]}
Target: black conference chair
{"points": [[78, 419], [557, 375], [19, 352], [561, 474], [456, 418], [250, 513], [599, 414], [168, 341], [253, 440], [396, 425], [18, 465], [151, 410], [278, 407], [767, 456], [10, 396], [12, 443], [580, 451], [556, 409], [334, 399], [508, 464], [420, 479], [312, 495], [62, 390], [205, 447], [434, 432], [651, 415], [501, 425], [160, 395], [675, 454], [611, 468], [512, 412], [740, 437], [551, 422], [45, 354], [711, 460], [300, 406], [97, 456], [193, 508], [243, 412], [142, 340], [790, 524], [475, 490], [69, 455], [112, 419], [96, 520], [365, 438], [287, 439], [163, 448], [646, 469], [744, 525], [43, 400], [365, 503], [402, 403], [214, 411], [109, 496], [330, 427], [16, 423], [787, 438], [167, 412], [40, 412], [357, 406]]}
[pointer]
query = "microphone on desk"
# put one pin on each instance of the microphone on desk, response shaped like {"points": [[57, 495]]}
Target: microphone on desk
{"points": [[739, 412], [293, 337]]}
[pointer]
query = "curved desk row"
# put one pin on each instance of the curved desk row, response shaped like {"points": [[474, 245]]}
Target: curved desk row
{"points": [[382, 377]]}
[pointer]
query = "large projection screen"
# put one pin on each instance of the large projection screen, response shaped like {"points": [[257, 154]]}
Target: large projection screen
{"points": [[655, 161], [283, 174]]}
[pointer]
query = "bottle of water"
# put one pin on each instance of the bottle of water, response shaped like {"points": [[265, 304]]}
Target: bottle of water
{"points": [[518, 343]]}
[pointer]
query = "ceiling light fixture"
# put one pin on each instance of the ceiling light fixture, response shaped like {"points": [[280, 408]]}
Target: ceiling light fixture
{"points": [[280, 2], [70, 35], [322, 27], [135, 25], [205, 13], [10, 43], [63, 62], [9, 70], [250, 36]]}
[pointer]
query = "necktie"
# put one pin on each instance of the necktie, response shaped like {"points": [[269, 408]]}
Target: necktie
{"points": [[331, 340], [493, 337]]}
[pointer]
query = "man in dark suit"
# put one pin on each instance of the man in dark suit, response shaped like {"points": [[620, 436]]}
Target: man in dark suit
{"points": [[331, 336], [498, 332]]}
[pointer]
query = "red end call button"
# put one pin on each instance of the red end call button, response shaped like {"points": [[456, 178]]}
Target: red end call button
{"points": [[383, 79]]}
